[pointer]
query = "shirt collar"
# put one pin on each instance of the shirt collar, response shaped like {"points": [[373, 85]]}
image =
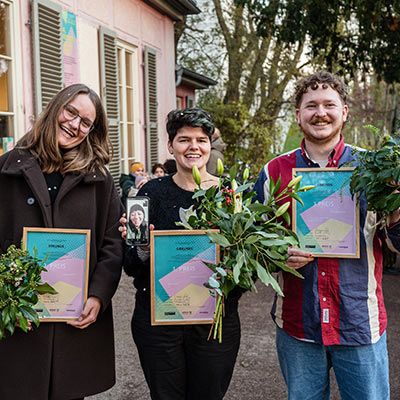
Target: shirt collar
{"points": [[334, 156]]}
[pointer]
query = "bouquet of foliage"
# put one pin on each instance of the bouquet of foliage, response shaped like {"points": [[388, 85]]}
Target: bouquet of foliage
{"points": [[20, 284], [254, 239], [378, 176]]}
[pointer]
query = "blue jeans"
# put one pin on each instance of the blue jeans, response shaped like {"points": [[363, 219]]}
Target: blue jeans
{"points": [[362, 372]]}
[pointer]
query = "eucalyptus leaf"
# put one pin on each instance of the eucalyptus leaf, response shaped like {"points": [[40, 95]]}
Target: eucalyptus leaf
{"points": [[221, 271], [213, 282], [219, 239]]}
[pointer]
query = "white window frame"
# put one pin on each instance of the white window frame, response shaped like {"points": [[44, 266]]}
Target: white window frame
{"points": [[123, 48], [17, 108]]}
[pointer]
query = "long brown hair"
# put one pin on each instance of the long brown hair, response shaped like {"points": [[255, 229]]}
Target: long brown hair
{"points": [[42, 141]]}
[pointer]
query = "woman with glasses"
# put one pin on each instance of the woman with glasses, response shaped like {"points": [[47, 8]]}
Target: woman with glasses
{"points": [[56, 177]]}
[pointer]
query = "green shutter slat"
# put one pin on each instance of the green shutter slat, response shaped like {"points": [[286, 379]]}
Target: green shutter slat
{"points": [[47, 45], [110, 96], [151, 106]]}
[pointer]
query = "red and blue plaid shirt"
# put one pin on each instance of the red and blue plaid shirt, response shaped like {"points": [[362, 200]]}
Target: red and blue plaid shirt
{"points": [[339, 301]]}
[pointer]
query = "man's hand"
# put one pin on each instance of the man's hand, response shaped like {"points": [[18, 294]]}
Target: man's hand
{"points": [[298, 258], [89, 313]]}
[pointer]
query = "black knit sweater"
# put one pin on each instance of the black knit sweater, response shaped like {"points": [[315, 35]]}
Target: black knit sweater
{"points": [[166, 198]]}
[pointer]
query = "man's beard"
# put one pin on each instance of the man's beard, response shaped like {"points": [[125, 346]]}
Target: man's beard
{"points": [[321, 140]]}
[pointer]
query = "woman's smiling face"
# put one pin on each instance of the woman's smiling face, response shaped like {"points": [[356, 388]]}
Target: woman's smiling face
{"points": [[191, 146], [69, 131]]}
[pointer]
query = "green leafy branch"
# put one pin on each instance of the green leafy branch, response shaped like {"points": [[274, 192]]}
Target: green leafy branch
{"points": [[254, 237], [20, 285], [377, 176]]}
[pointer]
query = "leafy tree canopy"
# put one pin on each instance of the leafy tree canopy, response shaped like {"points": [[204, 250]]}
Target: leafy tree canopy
{"points": [[346, 34]]}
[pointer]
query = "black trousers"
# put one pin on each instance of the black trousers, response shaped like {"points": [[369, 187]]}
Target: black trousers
{"points": [[178, 361]]}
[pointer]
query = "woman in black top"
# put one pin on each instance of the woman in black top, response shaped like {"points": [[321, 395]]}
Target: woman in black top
{"points": [[178, 361]]}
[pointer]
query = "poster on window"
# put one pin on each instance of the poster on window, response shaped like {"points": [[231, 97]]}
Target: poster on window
{"points": [[70, 48]]}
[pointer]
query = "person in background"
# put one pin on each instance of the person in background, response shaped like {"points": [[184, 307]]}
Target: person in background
{"points": [[178, 361], [131, 183], [56, 177], [170, 166], [335, 317], [158, 170], [217, 148]]}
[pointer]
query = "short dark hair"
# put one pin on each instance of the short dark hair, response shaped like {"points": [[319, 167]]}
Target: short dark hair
{"points": [[323, 78], [192, 117], [157, 165], [136, 207], [170, 166]]}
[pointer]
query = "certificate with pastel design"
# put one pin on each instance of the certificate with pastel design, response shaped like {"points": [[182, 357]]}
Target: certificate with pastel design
{"points": [[327, 224], [66, 255], [179, 271]]}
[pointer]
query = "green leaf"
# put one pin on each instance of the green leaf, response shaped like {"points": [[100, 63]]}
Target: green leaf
{"points": [[268, 235], [259, 208], [249, 223], [221, 271], [268, 279], [277, 186], [275, 242], [30, 313], [252, 239], [45, 288], [286, 217], [199, 193], [297, 197], [213, 282], [23, 323], [274, 254], [238, 266], [219, 239], [244, 187], [233, 172]]}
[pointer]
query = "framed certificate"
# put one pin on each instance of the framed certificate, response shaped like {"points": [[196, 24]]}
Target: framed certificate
{"points": [[66, 255], [328, 224], [179, 270]]}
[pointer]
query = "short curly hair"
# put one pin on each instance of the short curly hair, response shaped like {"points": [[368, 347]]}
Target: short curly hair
{"points": [[192, 117], [323, 78]]}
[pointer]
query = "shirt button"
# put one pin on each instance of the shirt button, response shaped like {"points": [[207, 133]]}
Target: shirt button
{"points": [[324, 299], [323, 273], [144, 289]]}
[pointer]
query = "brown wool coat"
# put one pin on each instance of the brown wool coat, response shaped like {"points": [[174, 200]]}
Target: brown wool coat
{"points": [[57, 361]]}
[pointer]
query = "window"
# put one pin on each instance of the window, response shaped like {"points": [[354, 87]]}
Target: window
{"points": [[7, 65], [179, 102], [128, 104], [189, 102]]}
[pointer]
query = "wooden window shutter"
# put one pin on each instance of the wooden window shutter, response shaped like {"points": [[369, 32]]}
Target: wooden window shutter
{"points": [[109, 94], [47, 49], [150, 75]]}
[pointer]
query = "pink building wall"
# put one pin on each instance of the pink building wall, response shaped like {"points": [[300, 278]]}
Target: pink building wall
{"points": [[135, 23]]}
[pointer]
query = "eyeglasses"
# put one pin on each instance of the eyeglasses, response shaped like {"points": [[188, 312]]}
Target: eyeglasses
{"points": [[70, 113]]}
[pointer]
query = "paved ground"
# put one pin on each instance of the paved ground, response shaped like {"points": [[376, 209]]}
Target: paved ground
{"points": [[257, 375]]}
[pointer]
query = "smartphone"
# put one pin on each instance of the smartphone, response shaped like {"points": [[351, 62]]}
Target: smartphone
{"points": [[137, 211]]}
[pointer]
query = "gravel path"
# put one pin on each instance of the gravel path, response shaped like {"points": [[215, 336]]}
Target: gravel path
{"points": [[257, 375]]}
